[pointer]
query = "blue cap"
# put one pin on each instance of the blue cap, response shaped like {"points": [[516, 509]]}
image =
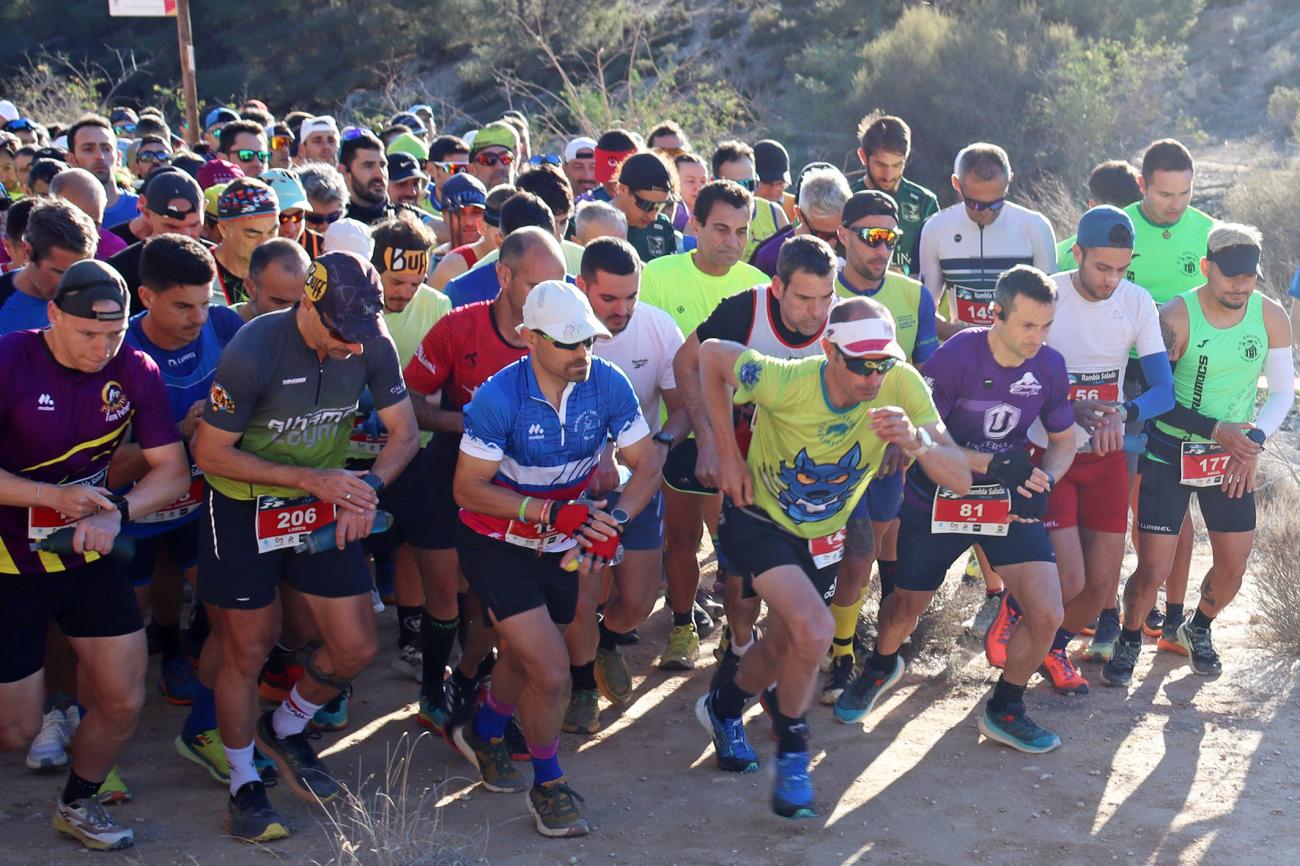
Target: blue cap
{"points": [[220, 114], [1105, 226], [463, 190]]}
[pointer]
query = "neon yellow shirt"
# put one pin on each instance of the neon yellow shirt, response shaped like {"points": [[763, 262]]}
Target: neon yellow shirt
{"points": [[675, 285]]}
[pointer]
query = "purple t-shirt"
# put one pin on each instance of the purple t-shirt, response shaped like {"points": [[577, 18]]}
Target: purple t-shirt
{"points": [[62, 426], [987, 407]]}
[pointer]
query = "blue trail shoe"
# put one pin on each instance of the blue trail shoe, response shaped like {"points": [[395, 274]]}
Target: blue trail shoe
{"points": [[732, 748]]}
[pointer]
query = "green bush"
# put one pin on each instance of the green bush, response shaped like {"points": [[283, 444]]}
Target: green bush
{"points": [[1284, 109]]}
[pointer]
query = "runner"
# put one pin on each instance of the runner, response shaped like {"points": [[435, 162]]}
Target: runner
{"points": [[580, 164], [643, 342], [243, 143], [823, 192], [57, 236], [870, 235], [277, 273], [92, 145], [494, 154], [69, 395], [533, 435], [465, 210], [248, 211], [484, 281], [270, 442], [885, 144], [1220, 337], [327, 193], [1100, 318], [598, 219], [734, 161], [965, 248], [365, 168], [823, 427], [172, 202], [318, 140], [646, 188], [1114, 182], [989, 384], [455, 358]]}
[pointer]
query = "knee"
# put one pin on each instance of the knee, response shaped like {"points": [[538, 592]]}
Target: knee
{"points": [[245, 656], [811, 631], [1043, 616], [551, 679], [121, 703], [904, 606], [352, 657]]}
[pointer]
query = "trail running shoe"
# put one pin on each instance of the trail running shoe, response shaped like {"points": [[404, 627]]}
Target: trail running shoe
{"points": [[704, 624], [304, 773], [1153, 625], [178, 681], [628, 638], [999, 633], [1168, 640], [334, 715], [841, 674], [278, 677], [554, 811], [432, 717], [114, 791], [1119, 670], [88, 822], [972, 573], [459, 701], [1102, 645], [1013, 727], [683, 647], [1090, 629], [1065, 677], [409, 662], [792, 791], [862, 694], [206, 750], [49, 750], [496, 771], [730, 745], [612, 676], [1199, 645], [583, 715], [711, 605], [252, 818]]}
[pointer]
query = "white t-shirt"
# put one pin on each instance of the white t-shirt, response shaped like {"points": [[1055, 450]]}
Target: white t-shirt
{"points": [[1095, 337], [644, 350]]}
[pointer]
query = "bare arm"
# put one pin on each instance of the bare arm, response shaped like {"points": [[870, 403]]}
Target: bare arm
{"points": [[403, 441], [718, 378], [686, 368], [431, 416]]}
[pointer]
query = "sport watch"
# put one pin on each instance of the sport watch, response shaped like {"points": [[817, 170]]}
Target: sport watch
{"points": [[621, 517], [665, 437], [926, 440], [1256, 435]]}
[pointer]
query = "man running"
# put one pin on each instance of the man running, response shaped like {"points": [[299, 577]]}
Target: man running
{"points": [[272, 442], [990, 384], [533, 435], [1220, 337], [884, 145], [823, 427], [69, 395]]}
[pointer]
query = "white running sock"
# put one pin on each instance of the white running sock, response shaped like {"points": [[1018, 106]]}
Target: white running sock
{"points": [[293, 714], [242, 769], [739, 650]]}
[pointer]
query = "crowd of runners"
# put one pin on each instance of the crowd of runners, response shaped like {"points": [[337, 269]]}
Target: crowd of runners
{"points": [[257, 388]]}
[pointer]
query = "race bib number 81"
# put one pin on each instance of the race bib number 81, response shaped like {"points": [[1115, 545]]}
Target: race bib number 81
{"points": [[286, 523], [986, 510], [1203, 464]]}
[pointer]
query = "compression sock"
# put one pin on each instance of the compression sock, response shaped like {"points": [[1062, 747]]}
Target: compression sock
{"points": [[608, 639], [1063, 639], [436, 639], [242, 768], [409, 623], [584, 676], [888, 570], [882, 663], [203, 712], [846, 626], [791, 734], [1174, 614], [1130, 636], [78, 788], [491, 719], [1005, 694], [462, 600], [169, 639], [1201, 619], [546, 762], [729, 699], [683, 618], [293, 714]]}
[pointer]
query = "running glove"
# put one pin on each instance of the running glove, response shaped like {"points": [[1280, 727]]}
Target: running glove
{"points": [[1032, 507], [1012, 469], [571, 517]]}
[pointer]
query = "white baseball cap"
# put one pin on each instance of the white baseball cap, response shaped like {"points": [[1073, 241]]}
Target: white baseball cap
{"points": [[8, 111], [559, 310], [350, 235], [321, 123], [862, 337], [582, 142]]}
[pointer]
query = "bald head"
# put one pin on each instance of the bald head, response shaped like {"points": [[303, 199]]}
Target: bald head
{"points": [[853, 309], [530, 242], [528, 256], [81, 189]]}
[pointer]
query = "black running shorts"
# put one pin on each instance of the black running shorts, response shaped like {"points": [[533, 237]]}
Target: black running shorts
{"points": [[1163, 501], [753, 544], [510, 579]]}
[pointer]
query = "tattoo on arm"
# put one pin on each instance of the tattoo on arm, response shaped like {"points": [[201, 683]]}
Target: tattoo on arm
{"points": [[1170, 338]]}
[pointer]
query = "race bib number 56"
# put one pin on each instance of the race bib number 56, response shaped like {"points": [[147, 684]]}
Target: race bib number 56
{"points": [[986, 510], [1102, 386], [286, 523], [1203, 464]]}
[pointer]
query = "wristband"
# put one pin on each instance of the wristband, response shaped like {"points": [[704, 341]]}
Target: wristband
{"points": [[523, 506]]}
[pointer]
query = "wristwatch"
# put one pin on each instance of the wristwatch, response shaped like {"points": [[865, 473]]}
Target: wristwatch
{"points": [[374, 481], [927, 443], [621, 517], [665, 437], [1256, 435], [123, 508]]}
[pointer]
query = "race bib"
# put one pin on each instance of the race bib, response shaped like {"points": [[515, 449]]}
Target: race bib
{"points": [[43, 522], [1102, 386], [285, 523], [190, 502], [1204, 464], [529, 535], [986, 510], [361, 442], [827, 550], [973, 305]]}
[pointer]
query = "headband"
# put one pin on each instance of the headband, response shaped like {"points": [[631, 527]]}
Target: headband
{"points": [[400, 261], [1236, 260]]}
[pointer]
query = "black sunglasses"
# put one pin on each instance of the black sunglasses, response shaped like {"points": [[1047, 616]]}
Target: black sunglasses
{"points": [[568, 347], [154, 156], [650, 206], [318, 219], [866, 366], [978, 206]]}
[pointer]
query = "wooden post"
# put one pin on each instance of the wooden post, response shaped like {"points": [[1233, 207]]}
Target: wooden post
{"points": [[188, 80]]}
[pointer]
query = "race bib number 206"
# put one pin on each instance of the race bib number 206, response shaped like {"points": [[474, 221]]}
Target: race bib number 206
{"points": [[286, 523]]}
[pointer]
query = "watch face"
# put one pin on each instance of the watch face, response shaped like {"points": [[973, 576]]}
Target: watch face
{"points": [[620, 516]]}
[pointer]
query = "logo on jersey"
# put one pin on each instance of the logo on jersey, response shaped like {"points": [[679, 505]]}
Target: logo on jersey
{"points": [[536, 431], [1250, 347], [809, 491], [749, 374], [638, 363], [1000, 420], [1189, 263], [45, 403], [1026, 386], [220, 399], [116, 405], [910, 211]]}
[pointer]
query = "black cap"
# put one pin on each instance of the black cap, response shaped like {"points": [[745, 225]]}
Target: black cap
{"points": [[869, 202], [51, 152], [346, 290], [404, 166], [86, 282], [771, 162], [163, 189], [645, 171]]}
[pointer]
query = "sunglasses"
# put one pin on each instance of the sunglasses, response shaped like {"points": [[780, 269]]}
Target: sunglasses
{"points": [[874, 237], [866, 366], [451, 167], [294, 218], [979, 206], [545, 159], [246, 155], [568, 347], [279, 142], [490, 159], [331, 329], [124, 128], [831, 237], [318, 219], [650, 206], [749, 184], [154, 156]]}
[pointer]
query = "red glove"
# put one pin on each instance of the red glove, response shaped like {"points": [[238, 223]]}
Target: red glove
{"points": [[606, 549], [570, 517]]}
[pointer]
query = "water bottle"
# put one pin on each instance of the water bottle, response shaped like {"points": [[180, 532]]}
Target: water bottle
{"points": [[324, 538], [59, 543]]}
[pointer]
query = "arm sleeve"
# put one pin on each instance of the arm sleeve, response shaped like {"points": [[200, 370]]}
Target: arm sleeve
{"points": [[732, 319], [384, 372], [488, 420], [431, 366], [1044, 242], [930, 271], [626, 423], [152, 423], [1295, 285], [240, 380], [1279, 370], [1158, 398], [927, 339]]}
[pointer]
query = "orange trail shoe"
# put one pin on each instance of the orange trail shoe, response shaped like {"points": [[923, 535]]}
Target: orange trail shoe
{"points": [[1000, 631], [1065, 677]]}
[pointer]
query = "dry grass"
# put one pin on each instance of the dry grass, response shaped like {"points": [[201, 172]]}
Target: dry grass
{"points": [[1277, 559]]}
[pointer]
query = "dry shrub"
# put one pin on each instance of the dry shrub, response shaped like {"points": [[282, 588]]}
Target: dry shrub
{"points": [[1266, 198], [1277, 562]]}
